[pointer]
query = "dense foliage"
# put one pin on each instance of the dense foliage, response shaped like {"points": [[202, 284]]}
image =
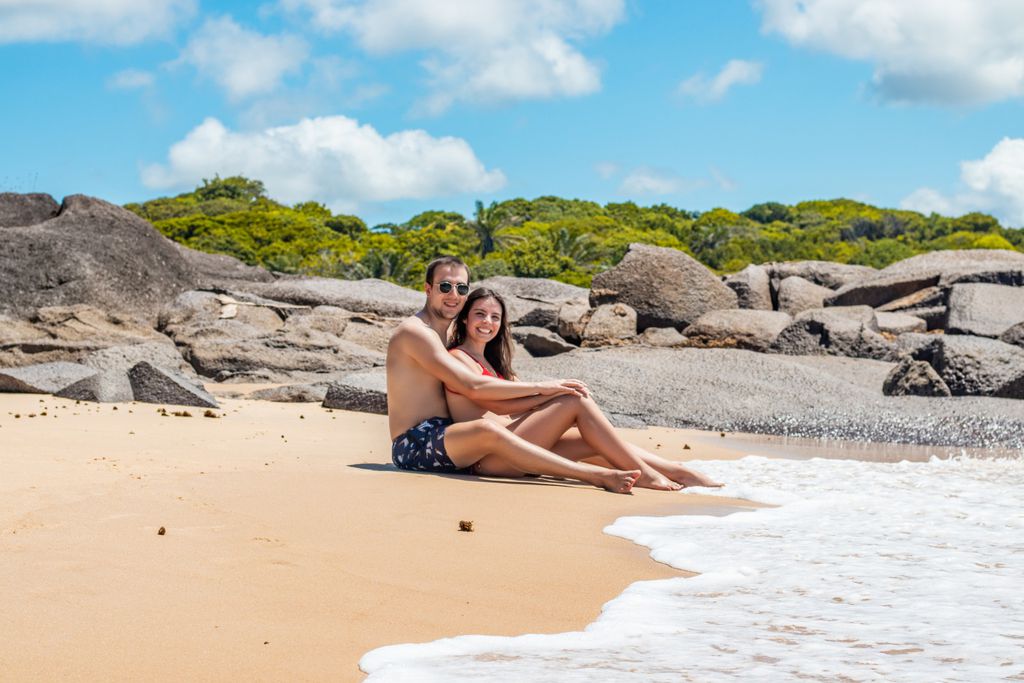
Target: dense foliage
{"points": [[564, 239]]}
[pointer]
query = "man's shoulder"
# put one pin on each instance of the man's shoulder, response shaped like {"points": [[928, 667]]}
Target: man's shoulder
{"points": [[412, 329]]}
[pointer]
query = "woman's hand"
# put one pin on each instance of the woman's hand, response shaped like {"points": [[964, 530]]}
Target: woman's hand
{"points": [[559, 387]]}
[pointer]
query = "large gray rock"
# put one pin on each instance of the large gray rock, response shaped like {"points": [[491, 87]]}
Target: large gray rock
{"points": [[743, 329], [899, 323], [44, 378], [797, 295], [344, 396], [922, 298], [666, 287], [361, 296], [1014, 335], [840, 331], [535, 302], [123, 357], [108, 386], [19, 210], [291, 393], [151, 384], [984, 310], [92, 252], [279, 358], [914, 378], [977, 366], [937, 268], [664, 337], [70, 334], [752, 287], [823, 273], [200, 315], [214, 269], [540, 341], [572, 319], [609, 322]]}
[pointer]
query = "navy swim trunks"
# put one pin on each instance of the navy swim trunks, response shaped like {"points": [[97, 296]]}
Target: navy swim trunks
{"points": [[422, 448]]}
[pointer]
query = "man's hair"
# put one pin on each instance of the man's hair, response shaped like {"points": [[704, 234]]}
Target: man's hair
{"points": [[444, 261]]}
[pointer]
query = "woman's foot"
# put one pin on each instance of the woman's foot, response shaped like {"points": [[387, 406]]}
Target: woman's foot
{"points": [[616, 481], [651, 478], [684, 476]]}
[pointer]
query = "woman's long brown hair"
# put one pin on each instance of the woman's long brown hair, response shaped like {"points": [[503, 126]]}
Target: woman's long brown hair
{"points": [[498, 351]]}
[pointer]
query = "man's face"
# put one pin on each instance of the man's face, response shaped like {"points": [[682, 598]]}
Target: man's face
{"points": [[447, 305]]}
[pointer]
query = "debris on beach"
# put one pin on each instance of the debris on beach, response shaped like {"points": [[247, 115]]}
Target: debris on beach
{"points": [[210, 413], [465, 525], [686, 446], [161, 531]]}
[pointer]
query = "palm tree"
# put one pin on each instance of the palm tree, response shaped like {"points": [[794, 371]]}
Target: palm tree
{"points": [[487, 223]]}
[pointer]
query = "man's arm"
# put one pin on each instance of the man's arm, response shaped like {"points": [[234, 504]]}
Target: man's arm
{"points": [[426, 349]]}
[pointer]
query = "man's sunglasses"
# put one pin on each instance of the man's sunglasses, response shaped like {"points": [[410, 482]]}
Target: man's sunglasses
{"points": [[461, 287]]}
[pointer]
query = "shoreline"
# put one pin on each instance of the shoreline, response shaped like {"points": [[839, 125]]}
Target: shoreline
{"points": [[292, 546]]}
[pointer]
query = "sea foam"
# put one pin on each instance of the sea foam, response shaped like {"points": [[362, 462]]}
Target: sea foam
{"points": [[865, 572]]}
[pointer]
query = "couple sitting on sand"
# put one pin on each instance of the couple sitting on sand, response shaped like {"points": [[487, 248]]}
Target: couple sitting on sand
{"points": [[455, 405]]}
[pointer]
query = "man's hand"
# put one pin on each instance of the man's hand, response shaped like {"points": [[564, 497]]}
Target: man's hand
{"points": [[558, 387]]}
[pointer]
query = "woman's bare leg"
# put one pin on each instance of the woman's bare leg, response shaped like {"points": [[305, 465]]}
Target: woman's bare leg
{"points": [[545, 425], [573, 446], [497, 451]]}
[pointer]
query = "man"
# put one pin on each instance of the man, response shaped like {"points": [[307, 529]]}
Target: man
{"points": [[418, 368]]}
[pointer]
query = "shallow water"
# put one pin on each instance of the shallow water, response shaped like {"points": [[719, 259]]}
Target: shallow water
{"points": [[866, 571]]}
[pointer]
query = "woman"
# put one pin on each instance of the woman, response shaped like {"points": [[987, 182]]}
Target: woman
{"points": [[571, 426]]}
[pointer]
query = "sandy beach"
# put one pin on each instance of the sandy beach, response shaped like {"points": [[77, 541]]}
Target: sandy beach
{"points": [[292, 546]]}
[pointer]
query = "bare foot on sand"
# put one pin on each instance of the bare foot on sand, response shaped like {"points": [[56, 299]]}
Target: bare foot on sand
{"points": [[650, 478], [687, 477], [616, 481]]}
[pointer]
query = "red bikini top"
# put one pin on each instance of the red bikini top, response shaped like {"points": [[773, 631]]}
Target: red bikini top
{"points": [[483, 369]]}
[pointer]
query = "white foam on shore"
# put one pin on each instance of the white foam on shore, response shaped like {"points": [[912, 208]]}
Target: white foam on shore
{"points": [[867, 572]]}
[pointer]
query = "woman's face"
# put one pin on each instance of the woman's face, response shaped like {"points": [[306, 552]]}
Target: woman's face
{"points": [[484, 320]]}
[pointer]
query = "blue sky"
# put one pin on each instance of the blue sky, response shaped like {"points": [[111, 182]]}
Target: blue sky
{"points": [[385, 108]]}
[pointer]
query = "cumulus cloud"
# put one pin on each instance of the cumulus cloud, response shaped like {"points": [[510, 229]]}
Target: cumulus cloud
{"points": [[953, 52], [130, 79], [480, 50], [993, 184], [110, 22], [243, 62], [735, 72], [333, 159]]}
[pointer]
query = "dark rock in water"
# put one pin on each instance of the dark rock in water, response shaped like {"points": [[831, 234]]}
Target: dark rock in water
{"points": [[44, 378], [978, 366], [797, 295], [362, 296], [108, 386], [151, 384], [914, 378], [838, 331], [666, 287], [21, 210], [937, 268], [292, 393], [752, 287], [608, 323], [344, 396], [540, 341], [900, 323], [743, 329], [92, 252], [534, 302], [1014, 335], [823, 273], [984, 310]]}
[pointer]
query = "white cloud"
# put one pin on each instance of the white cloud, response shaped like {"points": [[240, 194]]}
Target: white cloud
{"points": [[735, 72], [480, 50], [333, 159], [952, 52], [644, 180], [130, 79], [243, 62], [108, 22], [606, 169], [994, 184]]}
